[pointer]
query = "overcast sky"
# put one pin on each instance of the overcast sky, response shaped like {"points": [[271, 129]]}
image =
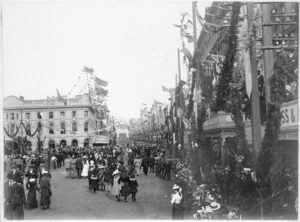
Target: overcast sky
{"points": [[131, 45]]}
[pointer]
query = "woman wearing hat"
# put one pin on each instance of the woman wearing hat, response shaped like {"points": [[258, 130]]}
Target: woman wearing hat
{"points": [[115, 188], [85, 168], [46, 192], [137, 163], [124, 183], [177, 210], [31, 197], [73, 167]]}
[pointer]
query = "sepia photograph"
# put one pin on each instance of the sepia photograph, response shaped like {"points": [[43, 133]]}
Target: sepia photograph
{"points": [[149, 110]]}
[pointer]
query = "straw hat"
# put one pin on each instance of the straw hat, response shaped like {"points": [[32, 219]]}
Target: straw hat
{"points": [[175, 187], [116, 172], [215, 206]]}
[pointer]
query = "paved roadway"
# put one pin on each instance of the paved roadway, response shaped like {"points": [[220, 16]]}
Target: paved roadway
{"points": [[72, 199]]}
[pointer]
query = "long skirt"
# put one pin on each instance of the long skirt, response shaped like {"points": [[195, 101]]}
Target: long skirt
{"points": [[107, 187], [73, 171], [115, 189], [85, 170], [45, 197], [32, 201], [138, 170], [93, 184], [125, 191], [177, 212]]}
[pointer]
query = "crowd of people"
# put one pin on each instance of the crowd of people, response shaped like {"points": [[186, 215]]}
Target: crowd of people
{"points": [[111, 169]]}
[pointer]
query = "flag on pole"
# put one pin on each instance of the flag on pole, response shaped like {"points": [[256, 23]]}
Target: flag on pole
{"points": [[165, 89], [87, 70], [100, 82], [201, 20], [188, 54], [59, 98], [180, 84], [100, 91]]}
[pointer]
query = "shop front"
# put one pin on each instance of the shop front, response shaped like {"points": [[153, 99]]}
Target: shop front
{"points": [[288, 137]]}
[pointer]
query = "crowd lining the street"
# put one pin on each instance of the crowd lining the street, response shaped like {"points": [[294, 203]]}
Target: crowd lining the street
{"points": [[111, 169]]}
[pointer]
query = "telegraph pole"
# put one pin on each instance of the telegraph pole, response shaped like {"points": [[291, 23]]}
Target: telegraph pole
{"points": [[255, 108]]}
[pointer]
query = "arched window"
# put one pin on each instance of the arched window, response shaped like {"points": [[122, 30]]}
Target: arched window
{"points": [[12, 129], [51, 128], [86, 143], [62, 128], [86, 127], [28, 128], [74, 127], [74, 143], [51, 144], [63, 143]]}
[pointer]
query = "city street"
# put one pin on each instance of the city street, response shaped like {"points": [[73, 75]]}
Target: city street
{"points": [[73, 200]]}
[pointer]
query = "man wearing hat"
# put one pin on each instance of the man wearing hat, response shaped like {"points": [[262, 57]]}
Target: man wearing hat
{"points": [[15, 199], [79, 166]]}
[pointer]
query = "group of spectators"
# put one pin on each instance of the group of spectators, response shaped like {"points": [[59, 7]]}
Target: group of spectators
{"points": [[111, 169], [25, 175]]}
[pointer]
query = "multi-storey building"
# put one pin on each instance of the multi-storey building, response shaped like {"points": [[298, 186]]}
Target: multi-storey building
{"points": [[73, 124]]}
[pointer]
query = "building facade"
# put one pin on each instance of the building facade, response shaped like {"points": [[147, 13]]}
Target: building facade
{"points": [[73, 124]]}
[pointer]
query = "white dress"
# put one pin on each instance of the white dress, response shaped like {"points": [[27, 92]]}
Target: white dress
{"points": [[115, 189], [85, 169], [137, 163]]}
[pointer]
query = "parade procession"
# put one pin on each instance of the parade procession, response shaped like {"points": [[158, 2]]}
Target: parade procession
{"points": [[149, 110]]}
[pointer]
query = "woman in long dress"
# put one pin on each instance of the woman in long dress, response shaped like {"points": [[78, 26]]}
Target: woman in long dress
{"points": [[31, 198], [85, 169], [115, 188], [73, 167], [46, 192], [177, 210], [137, 163]]}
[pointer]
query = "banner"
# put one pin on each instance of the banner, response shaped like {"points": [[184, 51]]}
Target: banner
{"points": [[248, 77]]}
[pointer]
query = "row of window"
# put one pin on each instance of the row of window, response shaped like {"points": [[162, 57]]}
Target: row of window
{"points": [[12, 128], [62, 115]]}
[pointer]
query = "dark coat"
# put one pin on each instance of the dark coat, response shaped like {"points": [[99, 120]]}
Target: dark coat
{"points": [[45, 192], [31, 198], [16, 194], [133, 185], [79, 163]]}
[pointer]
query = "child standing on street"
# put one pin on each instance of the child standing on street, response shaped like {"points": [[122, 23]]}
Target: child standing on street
{"points": [[133, 185]]}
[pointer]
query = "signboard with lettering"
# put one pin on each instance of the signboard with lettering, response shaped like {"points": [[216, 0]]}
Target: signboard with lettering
{"points": [[290, 115], [290, 135]]}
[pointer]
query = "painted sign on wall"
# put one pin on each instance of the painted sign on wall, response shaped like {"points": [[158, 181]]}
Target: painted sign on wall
{"points": [[290, 115]]}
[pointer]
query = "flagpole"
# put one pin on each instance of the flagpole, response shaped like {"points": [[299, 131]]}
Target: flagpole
{"points": [[180, 131], [194, 5]]}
